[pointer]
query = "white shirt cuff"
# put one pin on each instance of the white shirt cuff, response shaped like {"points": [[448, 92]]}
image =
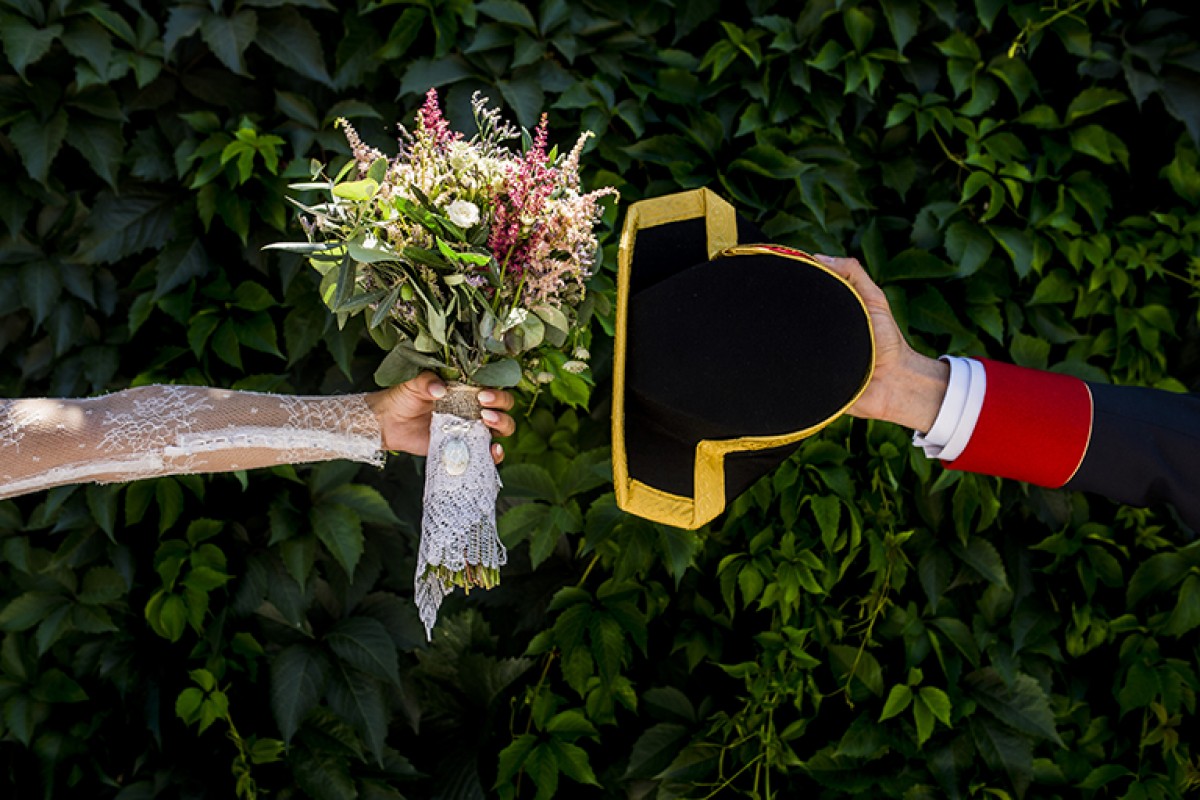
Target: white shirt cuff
{"points": [[956, 419]]}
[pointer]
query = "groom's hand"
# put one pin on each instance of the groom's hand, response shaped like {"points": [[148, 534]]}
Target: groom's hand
{"points": [[404, 413], [907, 388]]}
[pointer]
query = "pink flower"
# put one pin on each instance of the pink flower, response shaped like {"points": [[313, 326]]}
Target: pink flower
{"points": [[522, 199], [430, 120]]}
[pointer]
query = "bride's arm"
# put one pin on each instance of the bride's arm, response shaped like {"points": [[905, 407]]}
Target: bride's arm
{"points": [[162, 430]]}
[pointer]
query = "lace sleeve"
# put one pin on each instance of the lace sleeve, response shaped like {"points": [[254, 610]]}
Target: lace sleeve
{"points": [[162, 430]]}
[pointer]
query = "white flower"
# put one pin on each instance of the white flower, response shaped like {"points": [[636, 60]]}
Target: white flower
{"points": [[544, 377], [462, 213], [514, 318], [370, 242], [582, 354], [575, 367]]}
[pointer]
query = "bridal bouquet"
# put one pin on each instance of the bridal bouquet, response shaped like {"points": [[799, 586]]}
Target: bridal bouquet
{"points": [[469, 258]]}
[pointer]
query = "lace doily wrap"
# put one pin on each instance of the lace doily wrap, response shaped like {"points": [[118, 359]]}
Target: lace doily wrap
{"points": [[459, 521]]}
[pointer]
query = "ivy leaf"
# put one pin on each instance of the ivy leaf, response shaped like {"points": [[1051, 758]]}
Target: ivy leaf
{"points": [[655, 749], [1101, 144], [916, 264], [182, 21], [28, 609], [679, 548], [1092, 100], [982, 556], [1103, 775], [358, 698], [903, 19], [228, 37], [572, 761], [181, 261], [101, 145], [1001, 748], [324, 776], [1158, 573], [968, 246], [38, 142], [364, 643], [509, 11], [367, 502], [291, 40], [938, 703], [426, 73], [340, 530], [859, 27], [866, 667], [24, 44], [122, 225], [1186, 614], [530, 481], [40, 289], [898, 699], [525, 97], [1023, 705], [924, 719], [513, 757], [519, 523]]}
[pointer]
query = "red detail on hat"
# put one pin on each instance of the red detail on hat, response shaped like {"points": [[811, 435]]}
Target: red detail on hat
{"points": [[1034, 426]]}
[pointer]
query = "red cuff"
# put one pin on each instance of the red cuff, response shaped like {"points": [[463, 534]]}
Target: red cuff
{"points": [[1034, 426]]}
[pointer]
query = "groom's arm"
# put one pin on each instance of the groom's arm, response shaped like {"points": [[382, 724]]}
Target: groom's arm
{"points": [[1134, 445]]}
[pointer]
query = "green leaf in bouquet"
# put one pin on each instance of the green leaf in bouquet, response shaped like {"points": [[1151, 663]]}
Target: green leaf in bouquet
{"points": [[365, 254], [347, 277], [345, 170], [557, 326], [403, 364], [424, 257], [533, 332], [474, 259], [436, 322], [385, 307], [499, 374], [303, 248], [386, 336], [378, 170], [426, 343], [357, 191], [514, 340], [487, 323], [360, 302]]}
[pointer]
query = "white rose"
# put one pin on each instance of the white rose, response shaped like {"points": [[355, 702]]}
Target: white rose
{"points": [[462, 213]]}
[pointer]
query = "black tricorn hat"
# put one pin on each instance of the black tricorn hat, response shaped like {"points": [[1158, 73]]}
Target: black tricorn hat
{"points": [[727, 354]]}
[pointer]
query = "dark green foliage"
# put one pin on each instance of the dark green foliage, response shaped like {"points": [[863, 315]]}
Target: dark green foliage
{"points": [[1022, 178]]}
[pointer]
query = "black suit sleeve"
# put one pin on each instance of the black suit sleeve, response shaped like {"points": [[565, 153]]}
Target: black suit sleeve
{"points": [[1144, 449]]}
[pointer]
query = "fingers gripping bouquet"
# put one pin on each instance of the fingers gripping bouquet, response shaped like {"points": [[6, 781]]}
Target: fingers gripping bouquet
{"points": [[468, 258]]}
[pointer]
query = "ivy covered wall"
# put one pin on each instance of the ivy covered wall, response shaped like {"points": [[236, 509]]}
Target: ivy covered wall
{"points": [[1022, 178]]}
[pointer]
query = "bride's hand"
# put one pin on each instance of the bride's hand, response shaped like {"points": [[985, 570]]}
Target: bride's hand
{"points": [[404, 413]]}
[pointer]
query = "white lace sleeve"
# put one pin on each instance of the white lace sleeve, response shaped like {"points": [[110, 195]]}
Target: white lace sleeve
{"points": [[162, 430]]}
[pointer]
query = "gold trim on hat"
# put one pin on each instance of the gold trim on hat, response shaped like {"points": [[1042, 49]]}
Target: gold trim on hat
{"points": [[640, 498]]}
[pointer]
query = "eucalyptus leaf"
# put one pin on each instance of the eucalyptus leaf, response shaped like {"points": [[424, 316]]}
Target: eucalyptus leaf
{"points": [[500, 374], [403, 364], [363, 254]]}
